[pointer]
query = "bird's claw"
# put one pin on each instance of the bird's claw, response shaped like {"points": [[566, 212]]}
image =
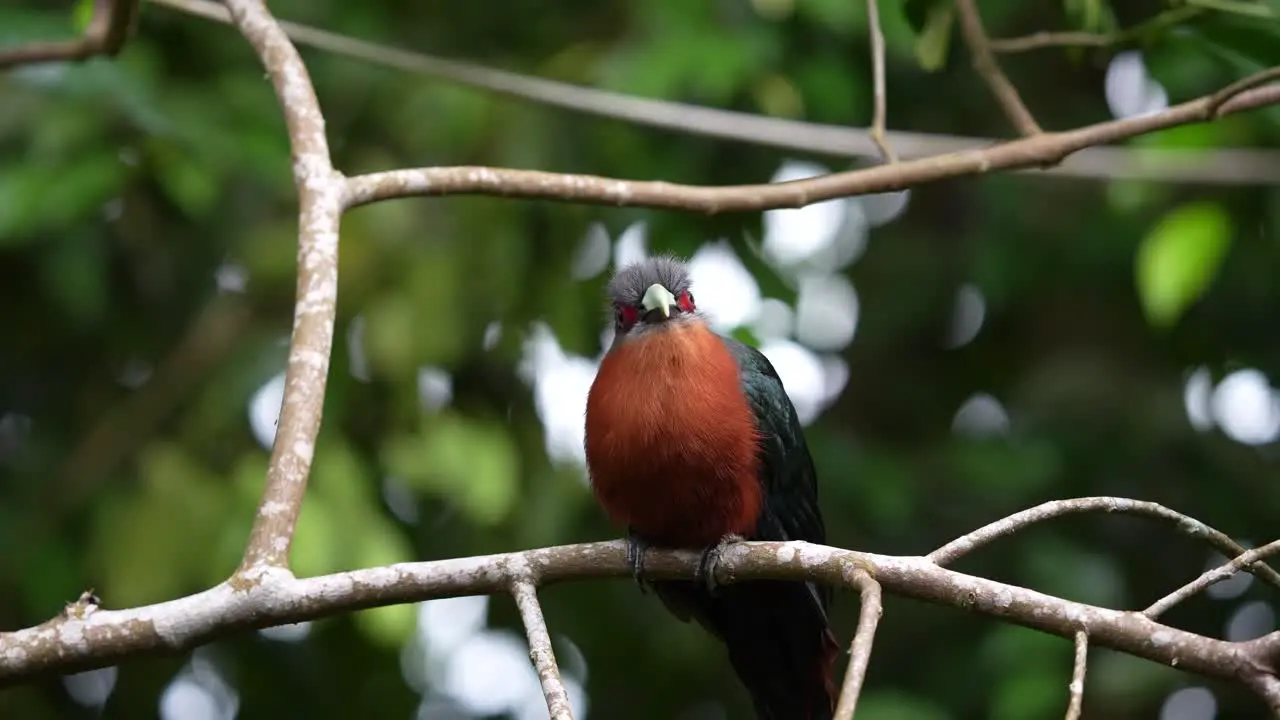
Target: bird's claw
{"points": [[710, 560], [636, 547]]}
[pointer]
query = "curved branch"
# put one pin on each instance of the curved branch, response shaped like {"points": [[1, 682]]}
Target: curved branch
{"points": [[106, 34], [320, 190], [1005, 527]]}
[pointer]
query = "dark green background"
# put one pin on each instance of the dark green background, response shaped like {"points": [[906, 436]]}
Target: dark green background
{"points": [[124, 185]]}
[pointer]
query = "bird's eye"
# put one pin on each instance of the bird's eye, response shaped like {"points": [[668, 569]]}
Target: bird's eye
{"points": [[686, 301], [627, 315]]}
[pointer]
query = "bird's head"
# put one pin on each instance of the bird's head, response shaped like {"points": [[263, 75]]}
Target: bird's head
{"points": [[650, 295]]}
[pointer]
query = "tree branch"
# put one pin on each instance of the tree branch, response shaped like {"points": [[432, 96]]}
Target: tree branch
{"points": [[1209, 577], [1224, 166], [99, 637], [1145, 29], [320, 190], [1042, 149], [106, 34], [877, 131], [864, 638], [984, 61], [958, 548], [540, 652]]}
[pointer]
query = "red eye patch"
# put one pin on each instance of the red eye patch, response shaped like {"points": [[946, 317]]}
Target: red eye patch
{"points": [[628, 314], [686, 302]]}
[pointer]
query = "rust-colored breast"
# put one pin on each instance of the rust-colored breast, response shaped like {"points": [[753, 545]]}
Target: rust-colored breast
{"points": [[671, 442]]}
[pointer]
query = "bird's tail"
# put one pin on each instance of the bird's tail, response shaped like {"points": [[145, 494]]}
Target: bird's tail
{"points": [[780, 645]]}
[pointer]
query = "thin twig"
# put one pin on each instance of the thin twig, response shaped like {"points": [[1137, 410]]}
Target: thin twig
{"points": [[1257, 79], [864, 639], [1221, 166], [1045, 39], [275, 597], [877, 73], [1042, 149], [106, 34], [984, 61], [320, 189], [1005, 527], [540, 652], [1076, 704], [1209, 577]]}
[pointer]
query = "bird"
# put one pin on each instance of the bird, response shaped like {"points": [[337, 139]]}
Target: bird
{"points": [[692, 442]]}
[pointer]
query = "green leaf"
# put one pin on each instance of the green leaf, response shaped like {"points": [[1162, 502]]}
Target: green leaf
{"points": [[82, 14], [470, 462], [1090, 15], [41, 198], [933, 40], [1179, 258]]}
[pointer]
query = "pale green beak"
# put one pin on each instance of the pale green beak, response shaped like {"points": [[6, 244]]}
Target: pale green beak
{"points": [[658, 298]]}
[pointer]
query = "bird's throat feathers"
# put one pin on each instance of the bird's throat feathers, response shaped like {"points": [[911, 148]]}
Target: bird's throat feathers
{"points": [[671, 442]]}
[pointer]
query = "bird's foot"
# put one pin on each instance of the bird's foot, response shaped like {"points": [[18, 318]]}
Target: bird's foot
{"points": [[636, 547], [710, 560]]}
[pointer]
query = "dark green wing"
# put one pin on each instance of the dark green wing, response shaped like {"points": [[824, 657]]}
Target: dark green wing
{"points": [[786, 468]]}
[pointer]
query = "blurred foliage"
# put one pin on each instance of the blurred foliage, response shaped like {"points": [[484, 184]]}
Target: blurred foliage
{"points": [[129, 187]]}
